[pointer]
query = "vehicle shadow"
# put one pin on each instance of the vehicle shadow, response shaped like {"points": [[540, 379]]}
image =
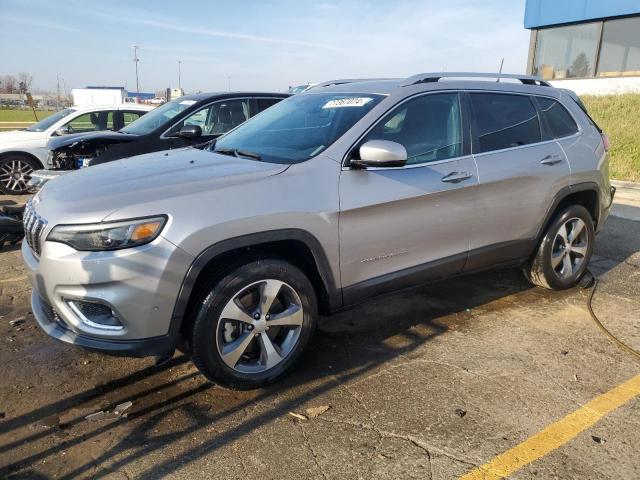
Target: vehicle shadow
{"points": [[349, 345]]}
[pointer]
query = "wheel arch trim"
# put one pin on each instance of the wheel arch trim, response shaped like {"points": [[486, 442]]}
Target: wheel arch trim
{"points": [[255, 240]]}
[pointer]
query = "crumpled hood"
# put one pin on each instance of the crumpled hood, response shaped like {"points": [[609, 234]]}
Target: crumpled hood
{"points": [[146, 181], [104, 136], [20, 137]]}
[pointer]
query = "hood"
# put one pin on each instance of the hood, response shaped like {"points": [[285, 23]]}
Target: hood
{"points": [[18, 137], [105, 136], [92, 194]]}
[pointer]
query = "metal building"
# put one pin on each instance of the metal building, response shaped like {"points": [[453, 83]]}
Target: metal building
{"points": [[590, 46]]}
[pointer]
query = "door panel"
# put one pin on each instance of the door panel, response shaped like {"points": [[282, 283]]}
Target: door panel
{"points": [[517, 185], [395, 219]]}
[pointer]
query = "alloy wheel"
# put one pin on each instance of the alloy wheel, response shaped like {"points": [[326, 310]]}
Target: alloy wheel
{"points": [[259, 326], [14, 175], [570, 248]]}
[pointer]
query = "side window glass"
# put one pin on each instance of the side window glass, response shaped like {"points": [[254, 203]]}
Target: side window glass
{"points": [[429, 127], [220, 117], [505, 121], [264, 103], [559, 121], [129, 117], [92, 121]]}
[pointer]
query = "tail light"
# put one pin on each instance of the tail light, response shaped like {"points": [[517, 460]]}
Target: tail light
{"points": [[606, 142]]}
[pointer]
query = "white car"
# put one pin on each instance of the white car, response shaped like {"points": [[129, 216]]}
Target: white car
{"points": [[23, 151]]}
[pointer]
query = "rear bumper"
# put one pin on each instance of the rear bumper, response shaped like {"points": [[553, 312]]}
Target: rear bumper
{"points": [[55, 327]]}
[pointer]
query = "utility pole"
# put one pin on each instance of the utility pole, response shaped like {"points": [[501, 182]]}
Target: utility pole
{"points": [[179, 85], [229, 83], [57, 91], [136, 60]]}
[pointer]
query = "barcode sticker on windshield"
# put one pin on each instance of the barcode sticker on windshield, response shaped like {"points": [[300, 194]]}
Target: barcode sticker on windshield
{"points": [[187, 102], [347, 102]]}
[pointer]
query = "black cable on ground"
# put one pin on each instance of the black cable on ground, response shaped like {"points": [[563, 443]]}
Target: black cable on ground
{"points": [[590, 280]]}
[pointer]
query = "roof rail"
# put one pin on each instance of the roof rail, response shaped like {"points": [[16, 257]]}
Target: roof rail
{"points": [[434, 77], [342, 81]]}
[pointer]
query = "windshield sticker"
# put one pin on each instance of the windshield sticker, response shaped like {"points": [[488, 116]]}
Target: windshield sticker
{"points": [[187, 102], [347, 102]]}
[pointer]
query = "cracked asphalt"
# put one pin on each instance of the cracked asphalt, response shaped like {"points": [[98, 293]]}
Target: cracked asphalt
{"points": [[427, 383]]}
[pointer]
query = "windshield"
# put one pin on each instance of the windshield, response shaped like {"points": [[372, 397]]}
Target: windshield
{"points": [[157, 117], [297, 128], [42, 125]]}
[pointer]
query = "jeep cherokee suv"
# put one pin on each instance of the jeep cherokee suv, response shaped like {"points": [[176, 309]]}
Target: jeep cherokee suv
{"points": [[351, 189]]}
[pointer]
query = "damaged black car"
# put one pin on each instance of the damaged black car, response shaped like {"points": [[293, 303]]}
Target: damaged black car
{"points": [[192, 120]]}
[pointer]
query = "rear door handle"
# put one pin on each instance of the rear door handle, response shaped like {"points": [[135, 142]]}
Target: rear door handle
{"points": [[551, 160], [456, 177]]}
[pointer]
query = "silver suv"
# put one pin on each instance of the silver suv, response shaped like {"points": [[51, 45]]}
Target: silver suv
{"points": [[349, 190]]}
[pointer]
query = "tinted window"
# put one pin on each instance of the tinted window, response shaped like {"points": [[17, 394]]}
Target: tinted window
{"points": [[264, 103], [559, 122], [504, 121], [429, 127]]}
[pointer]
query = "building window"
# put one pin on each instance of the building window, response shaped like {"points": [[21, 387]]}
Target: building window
{"points": [[567, 52], [620, 51]]}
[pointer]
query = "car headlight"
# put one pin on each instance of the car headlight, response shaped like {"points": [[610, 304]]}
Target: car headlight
{"points": [[109, 235]]}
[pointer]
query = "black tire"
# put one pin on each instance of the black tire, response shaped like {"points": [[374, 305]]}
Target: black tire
{"points": [[205, 333], [11, 166], [541, 271]]}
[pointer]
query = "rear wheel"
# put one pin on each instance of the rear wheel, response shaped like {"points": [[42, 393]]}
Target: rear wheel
{"points": [[15, 172], [565, 250], [252, 325]]}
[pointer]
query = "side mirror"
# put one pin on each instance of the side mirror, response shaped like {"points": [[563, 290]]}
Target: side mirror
{"points": [[381, 153], [64, 130], [190, 131]]}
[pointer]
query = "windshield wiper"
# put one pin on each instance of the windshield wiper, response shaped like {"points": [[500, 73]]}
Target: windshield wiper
{"points": [[244, 153], [226, 151], [237, 153]]}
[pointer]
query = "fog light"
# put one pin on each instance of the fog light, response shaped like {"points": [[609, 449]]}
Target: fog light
{"points": [[95, 315]]}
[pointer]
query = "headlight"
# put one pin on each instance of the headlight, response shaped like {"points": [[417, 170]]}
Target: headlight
{"points": [[109, 235]]}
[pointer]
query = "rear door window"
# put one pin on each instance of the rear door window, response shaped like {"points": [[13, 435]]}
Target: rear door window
{"points": [[129, 117], [504, 121], [560, 123]]}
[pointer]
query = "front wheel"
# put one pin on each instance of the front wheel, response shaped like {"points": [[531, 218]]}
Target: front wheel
{"points": [[15, 172], [251, 326], [565, 250]]}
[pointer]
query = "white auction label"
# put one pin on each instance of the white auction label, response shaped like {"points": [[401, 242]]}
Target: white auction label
{"points": [[347, 102]]}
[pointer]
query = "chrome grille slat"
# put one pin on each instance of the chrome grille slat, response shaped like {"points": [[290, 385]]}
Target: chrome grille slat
{"points": [[33, 227]]}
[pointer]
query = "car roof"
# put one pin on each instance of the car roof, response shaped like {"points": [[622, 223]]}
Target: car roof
{"points": [[198, 97], [439, 81], [121, 106]]}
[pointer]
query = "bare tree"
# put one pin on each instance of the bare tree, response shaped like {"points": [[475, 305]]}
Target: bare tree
{"points": [[24, 82], [7, 84]]}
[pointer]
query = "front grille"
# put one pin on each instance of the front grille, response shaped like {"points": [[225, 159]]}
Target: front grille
{"points": [[33, 227]]}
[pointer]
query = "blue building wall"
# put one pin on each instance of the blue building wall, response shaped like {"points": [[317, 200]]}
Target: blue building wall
{"points": [[542, 13]]}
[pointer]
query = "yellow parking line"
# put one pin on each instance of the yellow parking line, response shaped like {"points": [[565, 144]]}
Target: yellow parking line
{"points": [[556, 434]]}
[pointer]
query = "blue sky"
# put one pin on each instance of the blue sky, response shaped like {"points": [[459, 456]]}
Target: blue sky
{"points": [[261, 45]]}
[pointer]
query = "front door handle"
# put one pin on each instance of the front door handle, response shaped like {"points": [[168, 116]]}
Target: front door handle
{"points": [[551, 160], [456, 177]]}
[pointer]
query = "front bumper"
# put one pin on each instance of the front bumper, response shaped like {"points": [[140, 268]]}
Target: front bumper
{"points": [[140, 285]]}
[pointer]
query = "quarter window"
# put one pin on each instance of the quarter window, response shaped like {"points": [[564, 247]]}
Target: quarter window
{"points": [[429, 127], [559, 122], [504, 121]]}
